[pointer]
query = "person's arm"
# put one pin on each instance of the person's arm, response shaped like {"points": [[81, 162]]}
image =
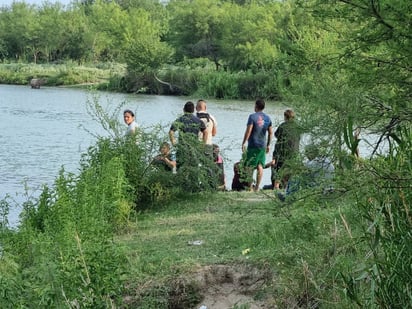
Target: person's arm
{"points": [[214, 129], [172, 137], [270, 132], [279, 131], [170, 163], [205, 135], [270, 164], [246, 136], [204, 131]]}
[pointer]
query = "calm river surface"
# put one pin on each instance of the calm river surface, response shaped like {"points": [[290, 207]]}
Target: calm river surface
{"points": [[44, 129]]}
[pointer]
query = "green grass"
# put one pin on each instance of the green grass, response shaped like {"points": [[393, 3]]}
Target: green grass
{"points": [[304, 249]]}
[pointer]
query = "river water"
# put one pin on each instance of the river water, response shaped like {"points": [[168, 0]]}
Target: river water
{"points": [[45, 129]]}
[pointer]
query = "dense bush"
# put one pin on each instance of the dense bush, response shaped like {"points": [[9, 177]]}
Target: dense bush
{"points": [[63, 250]]}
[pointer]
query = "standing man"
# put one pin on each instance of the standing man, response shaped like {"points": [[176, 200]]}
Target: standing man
{"points": [[189, 128], [209, 121], [258, 125]]}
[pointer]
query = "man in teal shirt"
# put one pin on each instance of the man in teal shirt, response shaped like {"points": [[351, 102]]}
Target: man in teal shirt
{"points": [[258, 125]]}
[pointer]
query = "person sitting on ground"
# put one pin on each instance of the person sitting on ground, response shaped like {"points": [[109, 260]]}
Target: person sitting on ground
{"points": [[319, 169], [238, 182], [218, 159], [166, 159]]}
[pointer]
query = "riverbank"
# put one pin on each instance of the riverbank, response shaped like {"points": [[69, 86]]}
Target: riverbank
{"points": [[217, 250], [205, 82], [241, 250], [69, 74]]}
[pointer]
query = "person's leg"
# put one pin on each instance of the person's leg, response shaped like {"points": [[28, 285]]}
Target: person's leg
{"points": [[251, 159], [277, 178], [259, 175], [260, 163]]}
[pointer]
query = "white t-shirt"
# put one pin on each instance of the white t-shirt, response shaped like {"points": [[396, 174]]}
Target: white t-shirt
{"points": [[131, 128]]}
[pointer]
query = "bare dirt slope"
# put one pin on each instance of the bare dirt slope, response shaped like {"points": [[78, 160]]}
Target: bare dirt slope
{"points": [[231, 286]]}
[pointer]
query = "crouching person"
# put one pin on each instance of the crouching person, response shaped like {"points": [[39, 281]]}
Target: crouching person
{"points": [[218, 159], [166, 160], [239, 182], [319, 169]]}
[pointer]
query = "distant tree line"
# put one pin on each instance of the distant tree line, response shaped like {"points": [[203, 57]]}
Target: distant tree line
{"points": [[147, 35]]}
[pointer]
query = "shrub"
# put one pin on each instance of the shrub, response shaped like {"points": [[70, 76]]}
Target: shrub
{"points": [[384, 279]]}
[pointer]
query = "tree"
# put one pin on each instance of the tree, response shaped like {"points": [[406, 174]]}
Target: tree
{"points": [[50, 30], [251, 37], [107, 21], [77, 39], [196, 29], [363, 79], [144, 51], [18, 24]]}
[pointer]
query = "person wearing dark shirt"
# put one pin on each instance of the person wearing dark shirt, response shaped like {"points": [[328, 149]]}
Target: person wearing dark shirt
{"points": [[188, 127], [286, 147]]}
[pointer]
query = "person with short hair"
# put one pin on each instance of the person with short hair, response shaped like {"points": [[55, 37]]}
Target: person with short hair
{"points": [[258, 125], [188, 126], [208, 119]]}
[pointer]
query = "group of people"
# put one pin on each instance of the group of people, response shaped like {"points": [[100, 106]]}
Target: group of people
{"points": [[256, 144], [199, 129], [287, 171], [190, 134]]}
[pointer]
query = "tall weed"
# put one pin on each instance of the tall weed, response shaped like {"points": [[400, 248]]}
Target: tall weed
{"points": [[385, 278], [64, 247]]}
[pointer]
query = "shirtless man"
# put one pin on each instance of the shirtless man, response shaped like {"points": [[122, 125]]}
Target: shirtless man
{"points": [[209, 121]]}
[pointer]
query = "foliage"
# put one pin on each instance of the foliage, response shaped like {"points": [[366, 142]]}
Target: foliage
{"points": [[386, 211], [62, 74], [63, 251], [197, 29], [252, 37], [218, 85], [361, 82], [345, 65]]}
